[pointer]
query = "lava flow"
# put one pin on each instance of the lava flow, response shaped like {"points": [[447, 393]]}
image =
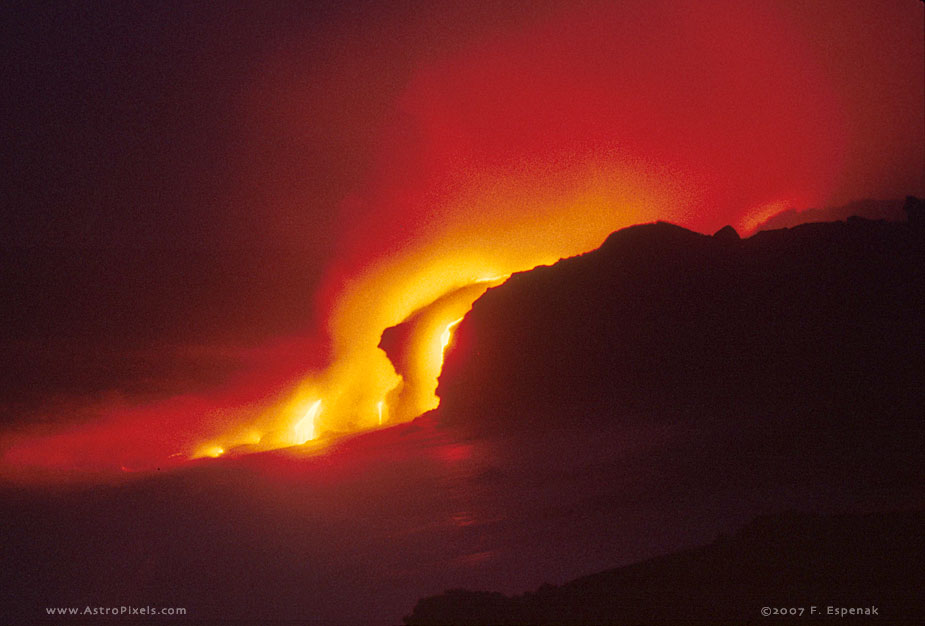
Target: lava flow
{"points": [[391, 326], [364, 389]]}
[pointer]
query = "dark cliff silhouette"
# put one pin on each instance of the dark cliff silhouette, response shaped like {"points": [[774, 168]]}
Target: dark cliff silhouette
{"points": [[661, 320], [783, 561]]}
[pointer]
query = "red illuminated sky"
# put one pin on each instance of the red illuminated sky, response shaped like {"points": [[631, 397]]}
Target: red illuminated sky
{"points": [[192, 188]]}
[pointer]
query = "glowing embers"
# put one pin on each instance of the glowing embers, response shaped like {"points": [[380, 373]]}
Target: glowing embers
{"points": [[213, 451], [304, 429]]}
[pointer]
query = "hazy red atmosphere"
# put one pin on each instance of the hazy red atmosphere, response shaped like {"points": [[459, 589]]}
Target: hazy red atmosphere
{"points": [[213, 213], [240, 176]]}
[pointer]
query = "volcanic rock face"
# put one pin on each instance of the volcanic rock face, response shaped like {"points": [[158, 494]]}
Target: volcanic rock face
{"points": [[822, 322]]}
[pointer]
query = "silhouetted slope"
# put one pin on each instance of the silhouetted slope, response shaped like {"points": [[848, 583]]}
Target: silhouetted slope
{"points": [[661, 320], [869, 209], [782, 561]]}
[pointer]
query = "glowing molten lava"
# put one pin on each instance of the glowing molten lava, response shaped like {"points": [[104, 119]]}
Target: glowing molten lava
{"points": [[305, 427], [447, 334]]}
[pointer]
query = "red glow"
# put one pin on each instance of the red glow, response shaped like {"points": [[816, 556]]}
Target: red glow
{"points": [[518, 148]]}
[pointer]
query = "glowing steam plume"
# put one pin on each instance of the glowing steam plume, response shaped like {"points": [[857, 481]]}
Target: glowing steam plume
{"points": [[392, 319]]}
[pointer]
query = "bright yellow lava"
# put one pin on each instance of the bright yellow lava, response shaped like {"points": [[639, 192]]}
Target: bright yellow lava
{"points": [[447, 333], [305, 427]]}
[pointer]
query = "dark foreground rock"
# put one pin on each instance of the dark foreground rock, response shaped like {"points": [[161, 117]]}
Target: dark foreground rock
{"points": [[808, 567]]}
